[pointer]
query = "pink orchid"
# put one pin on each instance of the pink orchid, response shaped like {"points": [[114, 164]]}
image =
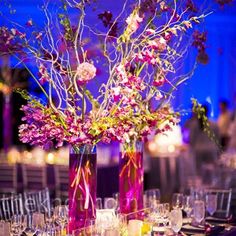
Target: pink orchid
{"points": [[133, 22]]}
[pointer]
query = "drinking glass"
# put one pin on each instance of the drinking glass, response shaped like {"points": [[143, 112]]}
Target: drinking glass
{"points": [[123, 224], [90, 227], [29, 227], [177, 201], [99, 203], [61, 215], [152, 197], [211, 203], [188, 205], [16, 224], [176, 220], [199, 211], [166, 212], [110, 203]]}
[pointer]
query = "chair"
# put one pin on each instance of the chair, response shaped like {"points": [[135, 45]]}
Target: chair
{"points": [[62, 181], [223, 201], [34, 177], [37, 202], [11, 206], [8, 178]]}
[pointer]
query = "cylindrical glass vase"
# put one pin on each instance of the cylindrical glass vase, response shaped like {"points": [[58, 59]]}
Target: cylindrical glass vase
{"points": [[131, 178], [82, 186]]}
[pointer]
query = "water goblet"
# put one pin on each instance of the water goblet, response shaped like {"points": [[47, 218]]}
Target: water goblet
{"points": [[176, 220], [16, 225], [98, 203], [199, 211], [211, 203], [152, 197], [177, 201], [61, 215], [188, 205], [110, 203], [29, 227]]}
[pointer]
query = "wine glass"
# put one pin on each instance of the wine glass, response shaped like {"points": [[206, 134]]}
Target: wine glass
{"points": [[211, 203], [110, 203], [152, 197], [61, 215], [199, 211], [176, 220], [188, 205], [166, 212], [16, 224], [98, 203], [90, 227], [177, 200], [29, 227]]}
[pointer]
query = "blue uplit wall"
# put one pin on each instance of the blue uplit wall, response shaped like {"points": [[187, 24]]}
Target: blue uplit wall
{"points": [[210, 82]]}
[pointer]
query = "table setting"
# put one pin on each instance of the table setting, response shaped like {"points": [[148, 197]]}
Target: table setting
{"points": [[193, 214]]}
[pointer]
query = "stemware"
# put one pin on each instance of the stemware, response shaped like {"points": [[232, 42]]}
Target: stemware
{"points": [[177, 201], [99, 203], [176, 220], [188, 205], [61, 215], [211, 203], [199, 211], [152, 197], [110, 203], [166, 212], [90, 227], [16, 224], [29, 226]]}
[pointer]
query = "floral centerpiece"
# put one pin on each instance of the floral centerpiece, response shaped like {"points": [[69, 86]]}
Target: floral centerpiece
{"points": [[140, 51]]}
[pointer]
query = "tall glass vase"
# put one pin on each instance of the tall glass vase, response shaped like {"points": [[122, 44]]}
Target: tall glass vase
{"points": [[82, 186], [131, 178]]}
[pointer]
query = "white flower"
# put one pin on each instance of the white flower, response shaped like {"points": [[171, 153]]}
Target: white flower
{"points": [[85, 72]]}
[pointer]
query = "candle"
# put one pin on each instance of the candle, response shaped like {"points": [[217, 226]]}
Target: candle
{"points": [[135, 227]]}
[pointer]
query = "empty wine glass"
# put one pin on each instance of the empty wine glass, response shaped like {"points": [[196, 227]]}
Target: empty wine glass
{"points": [[90, 227], [98, 203], [199, 211], [152, 197], [16, 225], [110, 203], [211, 203], [177, 201], [38, 221], [166, 212], [188, 205], [61, 215], [29, 228], [176, 220]]}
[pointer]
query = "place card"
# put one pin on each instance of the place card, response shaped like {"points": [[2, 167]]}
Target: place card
{"points": [[4, 228]]}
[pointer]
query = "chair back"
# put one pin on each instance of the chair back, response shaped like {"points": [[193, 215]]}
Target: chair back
{"points": [[62, 181], [11, 206], [37, 202], [8, 178], [34, 177], [223, 201]]}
